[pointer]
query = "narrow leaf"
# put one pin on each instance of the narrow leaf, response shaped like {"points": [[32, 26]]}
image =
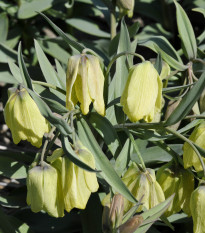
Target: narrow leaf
{"points": [[152, 215], [60, 123], [71, 42], [48, 71], [106, 130], [187, 102], [102, 162], [186, 32], [24, 72]]}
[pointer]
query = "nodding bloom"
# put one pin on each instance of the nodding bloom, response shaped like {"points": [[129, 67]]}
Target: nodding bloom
{"points": [[190, 158], [126, 7], [143, 186], [77, 183], [45, 190], [23, 117], [85, 83], [175, 179], [197, 205], [142, 96]]}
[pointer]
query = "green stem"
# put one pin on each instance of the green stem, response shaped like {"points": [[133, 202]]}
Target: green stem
{"points": [[195, 116], [45, 145], [199, 60], [119, 55], [137, 150], [50, 86], [190, 143], [139, 125], [112, 24], [164, 146]]}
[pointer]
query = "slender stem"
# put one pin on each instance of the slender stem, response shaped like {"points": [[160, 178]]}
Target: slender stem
{"points": [[139, 125], [50, 86], [199, 60], [137, 150], [190, 143], [51, 142], [112, 23], [195, 116], [119, 55], [45, 145], [169, 150]]}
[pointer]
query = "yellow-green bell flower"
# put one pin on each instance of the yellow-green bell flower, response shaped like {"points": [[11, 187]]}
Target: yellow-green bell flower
{"points": [[142, 96], [126, 7], [197, 205], [44, 190], [85, 83], [175, 179], [143, 186], [77, 183], [24, 118], [190, 158]]}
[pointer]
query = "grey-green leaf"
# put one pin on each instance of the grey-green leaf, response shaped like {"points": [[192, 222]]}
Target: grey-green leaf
{"points": [[102, 163], [60, 123], [71, 42], [187, 102], [186, 32]]}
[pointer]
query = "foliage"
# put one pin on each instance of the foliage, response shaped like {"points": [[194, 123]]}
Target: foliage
{"points": [[37, 38]]}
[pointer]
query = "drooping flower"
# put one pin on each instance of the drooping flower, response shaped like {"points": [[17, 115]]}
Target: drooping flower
{"points": [[77, 183], [143, 186], [44, 190], [126, 7], [190, 158], [197, 205], [142, 96], [24, 118], [175, 179], [85, 83]]}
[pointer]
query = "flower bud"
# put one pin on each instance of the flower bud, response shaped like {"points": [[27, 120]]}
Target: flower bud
{"points": [[142, 185], [131, 225], [172, 105], [45, 190], [126, 7], [190, 158], [24, 118], [174, 179], [197, 205], [142, 96], [113, 213], [77, 183], [85, 83], [116, 210]]}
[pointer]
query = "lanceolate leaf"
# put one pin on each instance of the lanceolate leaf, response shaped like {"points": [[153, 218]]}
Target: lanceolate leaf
{"points": [[24, 72], [48, 71], [106, 130], [102, 162], [152, 215], [186, 32], [187, 102], [71, 42], [60, 123]]}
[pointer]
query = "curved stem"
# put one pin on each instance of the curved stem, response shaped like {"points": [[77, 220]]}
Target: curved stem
{"points": [[190, 143], [119, 55], [50, 86], [199, 60], [137, 150], [45, 145]]}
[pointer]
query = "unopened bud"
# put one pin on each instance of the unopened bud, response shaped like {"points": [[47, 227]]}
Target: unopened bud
{"points": [[131, 225]]}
